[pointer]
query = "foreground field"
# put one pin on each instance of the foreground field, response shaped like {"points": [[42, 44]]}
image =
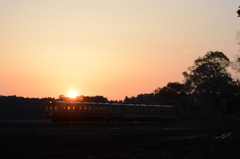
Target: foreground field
{"points": [[95, 140]]}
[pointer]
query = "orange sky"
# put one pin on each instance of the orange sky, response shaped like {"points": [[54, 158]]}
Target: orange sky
{"points": [[111, 48]]}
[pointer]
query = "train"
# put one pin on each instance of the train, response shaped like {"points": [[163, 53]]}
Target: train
{"points": [[64, 111]]}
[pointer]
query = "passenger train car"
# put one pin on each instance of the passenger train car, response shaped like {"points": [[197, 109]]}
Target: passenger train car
{"points": [[62, 111]]}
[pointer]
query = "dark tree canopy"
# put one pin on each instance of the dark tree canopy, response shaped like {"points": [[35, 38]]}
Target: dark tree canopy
{"points": [[208, 78], [213, 57], [170, 94]]}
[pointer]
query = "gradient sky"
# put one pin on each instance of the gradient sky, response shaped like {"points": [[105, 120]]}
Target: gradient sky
{"points": [[114, 48]]}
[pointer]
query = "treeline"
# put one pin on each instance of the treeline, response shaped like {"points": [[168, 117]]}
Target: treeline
{"points": [[139, 99], [20, 108], [207, 88], [98, 99]]}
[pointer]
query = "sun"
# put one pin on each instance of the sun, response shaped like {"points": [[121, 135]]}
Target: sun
{"points": [[72, 94]]}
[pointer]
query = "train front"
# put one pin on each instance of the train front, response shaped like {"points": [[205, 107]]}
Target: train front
{"points": [[49, 110]]}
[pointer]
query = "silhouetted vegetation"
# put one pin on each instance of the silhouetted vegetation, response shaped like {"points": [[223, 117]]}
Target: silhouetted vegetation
{"points": [[20, 108], [207, 89], [141, 99], [97, 99]]}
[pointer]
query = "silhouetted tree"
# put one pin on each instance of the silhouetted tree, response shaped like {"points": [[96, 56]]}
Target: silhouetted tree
{"points": [[234, 99], [208, 80], [173, 94], [165, 95], [127, 100], [62, 97]]}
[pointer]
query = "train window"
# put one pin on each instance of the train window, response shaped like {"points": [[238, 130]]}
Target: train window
{"points": [[68, 108], [73, 108], [101, 109], [86, 108], [96, 109], [55, 107], [64, 108], [81, 108], [105, 109], [91, 108], [50, 108], [140, 110]]}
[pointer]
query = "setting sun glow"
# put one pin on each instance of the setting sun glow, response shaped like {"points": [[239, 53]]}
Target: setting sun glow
{"points": [[111, 48], [72, 94]]}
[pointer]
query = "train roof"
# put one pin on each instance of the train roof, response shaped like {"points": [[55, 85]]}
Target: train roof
{"points": [[111, 104]]}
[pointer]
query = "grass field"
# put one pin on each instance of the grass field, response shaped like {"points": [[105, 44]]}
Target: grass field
{"points": [[115, 140]]}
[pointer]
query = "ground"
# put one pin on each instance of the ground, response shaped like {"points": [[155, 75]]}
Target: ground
{"points": [[119, 141]]}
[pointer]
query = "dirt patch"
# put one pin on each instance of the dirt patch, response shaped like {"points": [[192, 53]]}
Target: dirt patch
{"points": [[120, 143]]}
